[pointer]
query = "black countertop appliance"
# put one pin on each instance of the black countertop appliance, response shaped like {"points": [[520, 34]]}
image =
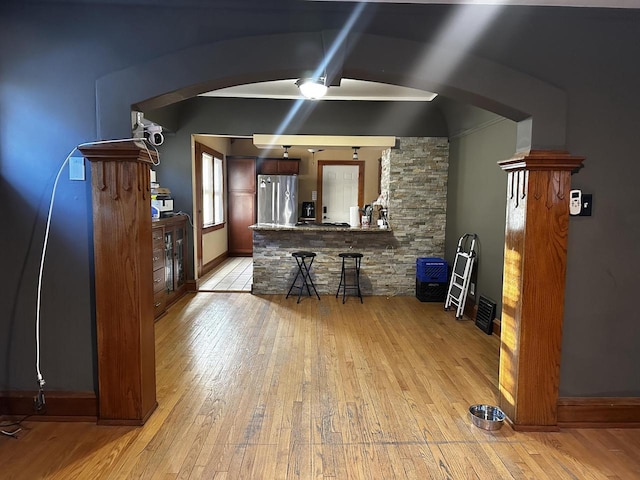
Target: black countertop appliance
{"points": [[308, 210]]}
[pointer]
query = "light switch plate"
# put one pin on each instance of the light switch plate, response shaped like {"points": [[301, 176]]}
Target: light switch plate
{"points": [[587, 201], [76, 168]]}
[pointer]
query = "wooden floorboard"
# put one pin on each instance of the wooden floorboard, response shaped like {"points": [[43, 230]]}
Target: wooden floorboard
{"points": [[259, 387]]}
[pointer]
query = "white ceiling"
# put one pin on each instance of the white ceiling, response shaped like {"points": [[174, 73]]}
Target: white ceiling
{"points": [[349, 89]]}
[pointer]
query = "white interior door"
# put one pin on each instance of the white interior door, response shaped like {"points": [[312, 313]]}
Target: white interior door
{"points": [[339, 191]]}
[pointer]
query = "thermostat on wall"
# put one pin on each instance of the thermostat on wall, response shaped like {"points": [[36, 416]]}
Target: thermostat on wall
{"points": [[575, 202], [580, 203]]}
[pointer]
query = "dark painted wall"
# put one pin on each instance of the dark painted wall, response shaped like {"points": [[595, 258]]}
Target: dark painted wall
{"points": [[477, 190], [52, 55]]}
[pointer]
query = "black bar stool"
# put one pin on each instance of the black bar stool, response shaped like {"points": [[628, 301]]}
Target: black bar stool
{"points": [[344, 284], [304, 273]]}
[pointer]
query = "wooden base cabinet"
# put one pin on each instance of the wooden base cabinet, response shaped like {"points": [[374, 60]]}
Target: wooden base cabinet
{"points": [[169, 261], [159, 283]]}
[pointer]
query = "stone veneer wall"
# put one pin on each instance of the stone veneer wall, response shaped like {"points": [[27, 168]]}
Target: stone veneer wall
{"points": [[274, 268], [415, 176], [414, 181]]}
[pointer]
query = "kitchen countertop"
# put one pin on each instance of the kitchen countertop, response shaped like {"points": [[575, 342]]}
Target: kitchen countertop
{"points": [[316, 227]]}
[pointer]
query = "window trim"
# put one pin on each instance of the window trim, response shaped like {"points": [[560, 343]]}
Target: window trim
{"points": [[199, 150], [201, 230]]}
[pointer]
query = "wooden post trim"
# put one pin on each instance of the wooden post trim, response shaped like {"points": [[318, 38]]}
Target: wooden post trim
{"points": [[533, 286], [123, 281]]}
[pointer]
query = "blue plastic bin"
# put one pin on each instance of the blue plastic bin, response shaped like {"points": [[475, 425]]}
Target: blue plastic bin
{"points": [[432, 269]]}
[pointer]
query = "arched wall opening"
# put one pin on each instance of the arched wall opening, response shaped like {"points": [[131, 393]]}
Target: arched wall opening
{"points": [[538, 108]]}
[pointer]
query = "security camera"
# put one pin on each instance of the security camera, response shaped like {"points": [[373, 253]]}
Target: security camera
{"points": [[154, 134]]}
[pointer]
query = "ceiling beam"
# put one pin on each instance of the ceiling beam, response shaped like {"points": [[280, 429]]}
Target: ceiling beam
{"points": [[268, 140]]}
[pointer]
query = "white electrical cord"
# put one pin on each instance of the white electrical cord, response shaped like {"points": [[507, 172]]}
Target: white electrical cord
{"points": [[41, 382], [13, 433], [186, 215], [44, 252]]}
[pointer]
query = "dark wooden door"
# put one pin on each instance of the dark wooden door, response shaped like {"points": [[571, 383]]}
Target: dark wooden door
{"points": [[241, 182]]}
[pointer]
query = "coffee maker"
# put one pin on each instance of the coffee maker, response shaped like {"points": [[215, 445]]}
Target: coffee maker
{"points": [[308, 210]]}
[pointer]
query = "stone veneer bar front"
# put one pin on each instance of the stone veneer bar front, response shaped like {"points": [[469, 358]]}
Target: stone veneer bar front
{"points": [[274, 268], [414, 182]]}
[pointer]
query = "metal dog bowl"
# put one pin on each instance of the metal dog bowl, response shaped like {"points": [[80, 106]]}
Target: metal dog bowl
{"points": [[486, 417]]}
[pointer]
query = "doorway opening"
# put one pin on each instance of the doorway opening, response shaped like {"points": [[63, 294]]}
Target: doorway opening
{"points": [[234, 274], [340, 186]]}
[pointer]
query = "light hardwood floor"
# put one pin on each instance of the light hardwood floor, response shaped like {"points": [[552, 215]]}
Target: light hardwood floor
{"points": [[259, 387]]}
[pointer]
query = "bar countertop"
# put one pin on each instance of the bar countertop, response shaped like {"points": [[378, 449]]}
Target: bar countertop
{"points": [[316, 227]]}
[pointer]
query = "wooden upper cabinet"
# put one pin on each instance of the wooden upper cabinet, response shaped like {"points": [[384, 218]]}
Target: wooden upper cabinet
{"points": [[288, 167], [268, 167], [278, 166]]}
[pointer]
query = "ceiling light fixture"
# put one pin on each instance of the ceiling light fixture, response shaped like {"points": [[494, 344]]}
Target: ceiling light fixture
{"points": [[286, 151], [313, 151], [313, 88], [355, 153]]}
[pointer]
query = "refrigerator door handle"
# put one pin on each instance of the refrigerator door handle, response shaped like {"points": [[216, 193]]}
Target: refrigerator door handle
{"points": [[273, 203], [278, 201]]}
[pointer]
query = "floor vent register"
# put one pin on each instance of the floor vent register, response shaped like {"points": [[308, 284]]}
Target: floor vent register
{"points": [[485, 315]]}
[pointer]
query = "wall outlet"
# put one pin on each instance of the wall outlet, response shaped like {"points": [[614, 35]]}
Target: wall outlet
{"points": [[76, 168], [472, 289]]}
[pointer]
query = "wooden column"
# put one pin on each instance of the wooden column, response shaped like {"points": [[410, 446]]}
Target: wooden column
{"points": [[123, 282], [533, 286]]}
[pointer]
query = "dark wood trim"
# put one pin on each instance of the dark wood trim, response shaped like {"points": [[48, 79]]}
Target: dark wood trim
{"points": [[213, 228], [322, 163], [120, 152], [470, 308], [599, 412], [497, 327], [60, 406], [542, 160], [532, 428], [115, 422], [199, 149]]}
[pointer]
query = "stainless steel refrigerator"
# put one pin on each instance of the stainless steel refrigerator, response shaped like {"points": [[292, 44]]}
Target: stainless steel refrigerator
{"points": [[278, 199]]}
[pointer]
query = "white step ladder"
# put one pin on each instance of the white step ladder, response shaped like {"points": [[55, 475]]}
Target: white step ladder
{"points": [[461, 274]]}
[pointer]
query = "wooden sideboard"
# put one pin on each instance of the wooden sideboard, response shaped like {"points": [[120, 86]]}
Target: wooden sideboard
{"points": [[169, 237]]}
